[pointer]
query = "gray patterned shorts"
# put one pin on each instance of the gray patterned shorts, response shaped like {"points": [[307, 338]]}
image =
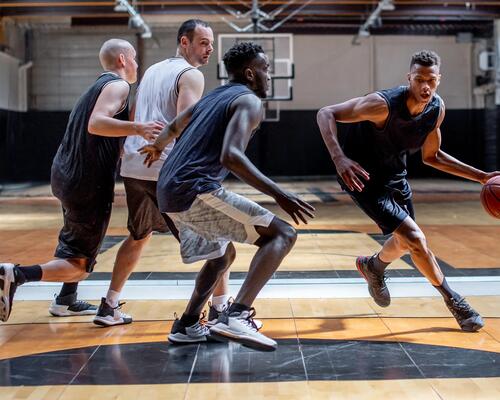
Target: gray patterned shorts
{"points": [[214, 220]]}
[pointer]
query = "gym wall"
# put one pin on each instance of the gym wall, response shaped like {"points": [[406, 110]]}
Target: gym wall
{"points": [[328, 69]]}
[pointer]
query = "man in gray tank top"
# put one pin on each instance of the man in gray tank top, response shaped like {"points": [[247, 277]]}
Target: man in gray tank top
{"points": [[371, 166], [215, 134]]}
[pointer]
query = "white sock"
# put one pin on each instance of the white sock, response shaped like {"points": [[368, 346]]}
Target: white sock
{"points": [[112, 298], [220, 302]]}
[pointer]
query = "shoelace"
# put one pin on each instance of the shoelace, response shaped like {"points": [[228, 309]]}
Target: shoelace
{"points": [[460, 306], [81, 305], [249, 319]]}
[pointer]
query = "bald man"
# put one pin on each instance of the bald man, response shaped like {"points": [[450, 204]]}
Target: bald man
{"points": [[83, 179]]}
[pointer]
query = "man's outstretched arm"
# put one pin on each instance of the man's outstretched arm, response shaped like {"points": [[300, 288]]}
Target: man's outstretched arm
{"points": [[435, 157], [246, 117]]}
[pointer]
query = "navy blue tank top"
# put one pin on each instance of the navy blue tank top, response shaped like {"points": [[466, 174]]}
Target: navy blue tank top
{"points": [[84, 166], [382, 152], [193, 167]]}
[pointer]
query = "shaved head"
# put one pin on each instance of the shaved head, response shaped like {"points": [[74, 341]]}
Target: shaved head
{"points": [[111, 50]]}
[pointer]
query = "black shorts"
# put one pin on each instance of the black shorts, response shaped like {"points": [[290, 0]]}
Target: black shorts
{"points": [[144, 216], [388, 205], [85, 225]]}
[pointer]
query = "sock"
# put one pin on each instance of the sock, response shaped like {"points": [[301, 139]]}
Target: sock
{"points": [[220, 302], [29, 273], [112, 298], [377, 264], [188, 320], [68, 288], [446, 291], [238, 308]]}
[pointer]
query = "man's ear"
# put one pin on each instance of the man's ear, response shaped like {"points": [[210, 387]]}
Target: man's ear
{"points": [[122, 60], [408, 76], [249, 74]]}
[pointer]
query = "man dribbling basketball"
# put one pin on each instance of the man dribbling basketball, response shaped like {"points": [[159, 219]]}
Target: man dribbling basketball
{"points": [[371, 167]]}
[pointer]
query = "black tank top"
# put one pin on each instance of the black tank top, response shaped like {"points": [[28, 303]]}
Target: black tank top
{"points": [[382, 152], [194, 166], [84, 166]]}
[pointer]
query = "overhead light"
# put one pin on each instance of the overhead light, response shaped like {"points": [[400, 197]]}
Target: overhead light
{"points": [[388, 5], [120, 7]]}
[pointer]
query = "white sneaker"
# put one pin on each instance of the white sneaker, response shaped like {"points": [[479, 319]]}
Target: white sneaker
{"points": [[110, 316], [69, 306], [7, 290], [213, 316], [181, 334], [240, 327]]}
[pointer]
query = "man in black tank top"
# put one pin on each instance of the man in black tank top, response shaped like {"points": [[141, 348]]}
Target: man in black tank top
{"points": [[371, 167], [83, 176], [215, 134]]}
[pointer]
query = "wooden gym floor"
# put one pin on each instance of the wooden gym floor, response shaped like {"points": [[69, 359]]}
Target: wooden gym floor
{"points": [[329, 348]]}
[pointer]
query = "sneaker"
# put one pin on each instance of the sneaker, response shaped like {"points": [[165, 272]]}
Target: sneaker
{"points": [[240, 327], [8, 288], [468, 318], [109, 316], [67, 306], [376, 282], [196, 333], [213, 316]]}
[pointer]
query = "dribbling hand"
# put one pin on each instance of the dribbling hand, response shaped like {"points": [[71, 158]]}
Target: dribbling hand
{"points": [[295, 207], [351, 172]]}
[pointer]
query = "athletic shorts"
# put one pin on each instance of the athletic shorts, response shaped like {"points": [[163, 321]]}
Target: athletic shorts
{"points": [[144, 216], [214, 220], [84, 228], [387, 205]]}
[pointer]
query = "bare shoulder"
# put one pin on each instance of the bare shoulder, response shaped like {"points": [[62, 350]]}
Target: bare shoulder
{"points": [[374, 103], [118, 88], [249, 102], [192, 77]]}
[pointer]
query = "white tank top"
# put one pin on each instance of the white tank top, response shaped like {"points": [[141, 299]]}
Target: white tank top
{"points": [[156, 101]]}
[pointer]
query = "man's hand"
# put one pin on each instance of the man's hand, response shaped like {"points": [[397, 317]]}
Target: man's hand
{"points": [[149, 130], [351, 172], [152, 154], [488, 176], [294, 206]]}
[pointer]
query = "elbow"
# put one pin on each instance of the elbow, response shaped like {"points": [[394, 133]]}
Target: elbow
{"points": [[229, 160], [93, 126], [322, 113], [431, 160]]}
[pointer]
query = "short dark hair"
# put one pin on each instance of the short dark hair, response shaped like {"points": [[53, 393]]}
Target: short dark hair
{"points": [[187, 28], [240, 55], [426, 58]]}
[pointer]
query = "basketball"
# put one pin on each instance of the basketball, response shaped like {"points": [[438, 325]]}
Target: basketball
{"points": [[490, 197]]}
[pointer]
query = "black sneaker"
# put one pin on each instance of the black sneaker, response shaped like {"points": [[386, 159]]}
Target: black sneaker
{"points": [[110, 316], [181, 334], [376, 282], [67, 306], [468, 318], [8, 288]]}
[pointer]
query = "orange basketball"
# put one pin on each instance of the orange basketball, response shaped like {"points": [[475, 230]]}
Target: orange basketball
{"points": [[490, 197]]}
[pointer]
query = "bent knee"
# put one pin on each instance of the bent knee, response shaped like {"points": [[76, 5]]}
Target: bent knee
{"points": [[416, 241], [289, 235]]}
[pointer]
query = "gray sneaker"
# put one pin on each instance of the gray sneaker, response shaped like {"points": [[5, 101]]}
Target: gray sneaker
{"points": [[69, 306], [239, 327], [213, 316], [468, 318], [376, 282], [181, 334]]}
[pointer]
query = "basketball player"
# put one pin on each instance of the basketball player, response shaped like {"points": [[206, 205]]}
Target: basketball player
{"points": [[83, 175], [215, 134], [371, 166]]}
